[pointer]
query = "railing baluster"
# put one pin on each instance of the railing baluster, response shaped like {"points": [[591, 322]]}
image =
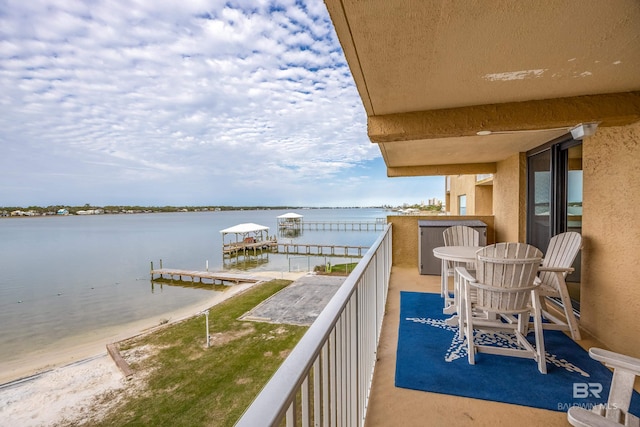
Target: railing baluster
{"points": [[291, 414], [316, 393], [304, 397], [339, 371], [332, 379], [325, 384], [353, 365]]}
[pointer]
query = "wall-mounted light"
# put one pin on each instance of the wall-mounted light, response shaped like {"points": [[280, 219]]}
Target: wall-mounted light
{"points": [[584, 129]]}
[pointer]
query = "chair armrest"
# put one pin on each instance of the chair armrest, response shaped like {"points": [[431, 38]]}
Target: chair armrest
{"points": [[557, 269], [615, 360], [464, 273], [581, 417]]}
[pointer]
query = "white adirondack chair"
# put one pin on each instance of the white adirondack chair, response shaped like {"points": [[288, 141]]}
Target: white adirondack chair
{"points": [[458, 235], [616, 411], [504, 284], [562, 251]]}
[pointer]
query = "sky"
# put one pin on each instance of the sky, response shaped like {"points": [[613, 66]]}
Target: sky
{"points": [[191, 102]]}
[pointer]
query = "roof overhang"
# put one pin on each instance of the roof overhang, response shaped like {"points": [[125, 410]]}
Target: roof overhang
{"points": [[432, 74], [245, 228], [290, 215]]}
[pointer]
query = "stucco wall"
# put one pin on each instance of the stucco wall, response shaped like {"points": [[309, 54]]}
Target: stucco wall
{"points": [[610, 294], [405, 235], [509, 199], [462, 184], [479, 197], [484, 200]]}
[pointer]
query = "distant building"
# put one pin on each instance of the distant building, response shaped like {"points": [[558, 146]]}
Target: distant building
{"points": [[90, 212], [62, 212], [23, 213]]}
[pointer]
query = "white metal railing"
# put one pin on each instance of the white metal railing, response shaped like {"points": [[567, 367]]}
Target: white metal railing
{"points": [[326, 379]]}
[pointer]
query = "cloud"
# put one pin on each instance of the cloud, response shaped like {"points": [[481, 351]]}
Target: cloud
{"points": [[218, 102]]}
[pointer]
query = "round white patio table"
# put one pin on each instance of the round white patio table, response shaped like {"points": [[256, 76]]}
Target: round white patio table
{"points": [[457, 254]]}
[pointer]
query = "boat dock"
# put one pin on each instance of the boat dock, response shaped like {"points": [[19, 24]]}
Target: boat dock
{"points": [[243, 248], [215, 277], [314, 249], [249, 245], [377, 225]]}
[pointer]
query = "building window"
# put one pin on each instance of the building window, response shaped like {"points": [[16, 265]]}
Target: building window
{"points": [[462, 204]]}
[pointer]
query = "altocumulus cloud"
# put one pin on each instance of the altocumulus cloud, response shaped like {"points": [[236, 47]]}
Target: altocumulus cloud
{"points": [[181, 102]]}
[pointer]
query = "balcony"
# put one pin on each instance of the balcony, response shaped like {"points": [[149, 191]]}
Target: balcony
{"points": [[432, 113], [339, 376]]}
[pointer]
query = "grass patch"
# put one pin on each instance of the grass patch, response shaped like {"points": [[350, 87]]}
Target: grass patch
{"points": [[336, 270], [180, 382]]}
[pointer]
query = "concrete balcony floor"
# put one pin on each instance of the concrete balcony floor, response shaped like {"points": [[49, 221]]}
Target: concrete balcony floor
{"points": [[393, 406]]}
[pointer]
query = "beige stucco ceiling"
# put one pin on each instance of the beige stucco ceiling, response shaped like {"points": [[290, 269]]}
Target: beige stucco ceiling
{"points": [[432, 73]]}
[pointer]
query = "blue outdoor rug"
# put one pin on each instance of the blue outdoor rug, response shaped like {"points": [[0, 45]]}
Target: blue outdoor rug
{"points": [[432, 358]]}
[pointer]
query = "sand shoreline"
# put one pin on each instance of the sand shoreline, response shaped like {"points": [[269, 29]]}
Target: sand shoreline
{"points": [[77, 348], [70, 378]]}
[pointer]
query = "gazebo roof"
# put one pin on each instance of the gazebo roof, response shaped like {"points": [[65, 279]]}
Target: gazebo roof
{"points": [[244, 228], [290, 215]]}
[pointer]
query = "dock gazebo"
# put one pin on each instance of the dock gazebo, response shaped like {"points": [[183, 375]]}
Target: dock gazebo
{"points": [[290, 224], [290, 220], [248, 236]]}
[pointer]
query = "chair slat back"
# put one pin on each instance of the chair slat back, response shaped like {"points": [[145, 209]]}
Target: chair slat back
{"points": [[461, 235], [506, 273], [562, 251]]}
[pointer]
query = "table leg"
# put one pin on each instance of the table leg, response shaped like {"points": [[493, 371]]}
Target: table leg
{"points": [[450, 306], [443, 281]]}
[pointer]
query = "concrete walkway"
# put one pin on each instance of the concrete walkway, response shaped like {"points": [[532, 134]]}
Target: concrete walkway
{"points": [[299, 303]]}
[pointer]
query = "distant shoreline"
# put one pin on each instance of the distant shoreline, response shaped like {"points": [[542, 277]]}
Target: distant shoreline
{"points": [[62, 210]]}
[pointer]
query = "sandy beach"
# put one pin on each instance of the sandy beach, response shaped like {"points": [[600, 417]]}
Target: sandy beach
{"points": [[70, 375]]}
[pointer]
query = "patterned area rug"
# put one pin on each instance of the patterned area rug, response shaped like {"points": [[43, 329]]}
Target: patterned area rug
{"points": [[431, 357]]}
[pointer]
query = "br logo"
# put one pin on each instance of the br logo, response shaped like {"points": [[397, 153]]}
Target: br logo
{"points": [[584, 390]]}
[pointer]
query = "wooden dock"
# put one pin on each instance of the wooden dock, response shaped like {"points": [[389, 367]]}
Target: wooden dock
{"points": [[215, 277], [314, 249], [243, 247], [377, 225]]}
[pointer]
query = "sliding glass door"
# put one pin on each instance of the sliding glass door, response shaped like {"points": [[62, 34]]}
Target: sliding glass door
{"points": [[554, 198], [539, 197]]}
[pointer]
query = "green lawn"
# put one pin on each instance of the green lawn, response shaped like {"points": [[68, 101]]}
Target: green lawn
{"points": [[336, 269], [180, 382]]}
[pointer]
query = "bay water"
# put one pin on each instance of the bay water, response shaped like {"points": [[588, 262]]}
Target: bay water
{"points": [[66, 276]]}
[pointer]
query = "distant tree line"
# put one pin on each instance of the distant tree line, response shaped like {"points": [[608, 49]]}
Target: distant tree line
{"points": [[128, 209], [423, 207]]}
